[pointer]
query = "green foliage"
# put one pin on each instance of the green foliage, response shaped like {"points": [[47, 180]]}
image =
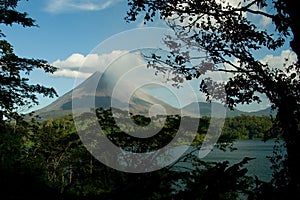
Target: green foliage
{"points": [[9, 15], [21, 175], [50, 154], [247, 127], [122, 139], [231, 37], [241, 127], [16, 92], [219, 181]]}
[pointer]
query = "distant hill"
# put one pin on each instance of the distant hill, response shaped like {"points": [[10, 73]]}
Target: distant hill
{"points": [[267, 111], [205, 110]]}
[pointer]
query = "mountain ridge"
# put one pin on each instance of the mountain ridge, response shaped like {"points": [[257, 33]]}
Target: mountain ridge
{"points": [[205, 110], [96, 91]]}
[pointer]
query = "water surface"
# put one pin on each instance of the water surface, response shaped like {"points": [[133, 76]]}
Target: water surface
{"points": [[258, 149]]}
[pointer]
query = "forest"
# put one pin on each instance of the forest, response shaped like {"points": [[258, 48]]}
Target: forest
{"points": [[48, 160]]}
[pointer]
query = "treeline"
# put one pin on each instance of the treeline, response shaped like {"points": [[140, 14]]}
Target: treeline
{"points": [[249, 127], [118, 126], [48, 160]]}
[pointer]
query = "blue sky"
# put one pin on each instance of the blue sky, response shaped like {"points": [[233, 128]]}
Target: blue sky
{"points": [[65, 29], [70, 30]]}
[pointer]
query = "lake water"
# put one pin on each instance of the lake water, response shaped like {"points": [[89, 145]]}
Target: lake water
{"points": [[257, 149], [260, 166]]}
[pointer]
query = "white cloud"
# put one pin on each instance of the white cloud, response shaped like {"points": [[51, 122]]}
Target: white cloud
{"points": [[74, 61], [59, 6], [70, 73], [81, 66], [280, 60]]}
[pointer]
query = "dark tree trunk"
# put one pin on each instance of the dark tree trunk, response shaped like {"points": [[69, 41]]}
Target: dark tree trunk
{"points": [[289, 120], [289, 108]]}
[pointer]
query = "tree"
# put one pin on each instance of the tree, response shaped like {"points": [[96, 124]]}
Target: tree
{"points": [[230, 32], [15, 91]]}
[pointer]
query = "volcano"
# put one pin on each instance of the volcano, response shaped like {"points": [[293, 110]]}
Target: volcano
{"points": [[97, 91]]}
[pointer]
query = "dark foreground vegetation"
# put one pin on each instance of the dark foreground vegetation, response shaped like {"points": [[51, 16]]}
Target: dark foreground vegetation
{"points": [[47, 160]]}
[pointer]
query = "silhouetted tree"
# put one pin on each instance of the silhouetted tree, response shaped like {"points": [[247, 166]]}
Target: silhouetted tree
{"points": [[227, 33], [16, 92]]}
